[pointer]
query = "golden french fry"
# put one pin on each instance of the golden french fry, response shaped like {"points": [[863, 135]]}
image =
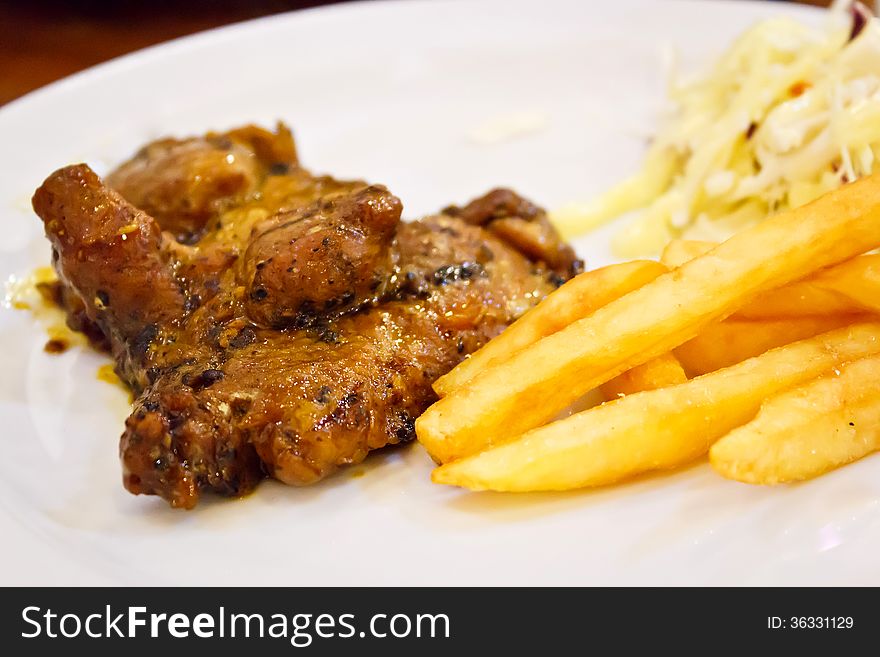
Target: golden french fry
{"points": [[733, 340], [659, 372], [857, 279], [678, 252], [576, 299], [535, 384], [804, 432], [653, 430], [801, 299], [850, 287]]}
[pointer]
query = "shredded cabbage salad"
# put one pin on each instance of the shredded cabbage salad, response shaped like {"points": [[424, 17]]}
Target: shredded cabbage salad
{"points": [[788, 113]]}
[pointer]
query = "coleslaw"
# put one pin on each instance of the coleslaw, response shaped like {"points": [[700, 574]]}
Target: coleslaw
{"points": [[787, 113]]}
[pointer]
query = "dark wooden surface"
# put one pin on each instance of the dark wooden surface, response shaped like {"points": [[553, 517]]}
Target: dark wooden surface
{"points": [[45, 40]]}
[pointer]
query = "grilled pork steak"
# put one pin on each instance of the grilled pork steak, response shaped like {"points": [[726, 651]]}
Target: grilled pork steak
{"points": [[275, 322]]}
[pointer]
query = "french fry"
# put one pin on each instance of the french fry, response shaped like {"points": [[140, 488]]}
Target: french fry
{"points": [[535, 384], [850, 287], [654, 430], [576, 299], [734, 340], [660, 372], [807, 431], [678, 252]]}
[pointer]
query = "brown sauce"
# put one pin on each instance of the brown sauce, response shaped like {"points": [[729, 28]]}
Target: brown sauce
{"points": [[56, 346]]}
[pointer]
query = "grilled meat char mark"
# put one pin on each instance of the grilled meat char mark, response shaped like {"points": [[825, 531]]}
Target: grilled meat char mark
{"points": [[248, 358]]}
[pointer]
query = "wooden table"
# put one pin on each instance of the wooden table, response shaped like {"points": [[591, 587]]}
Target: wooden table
{"points": [[44, 40]]}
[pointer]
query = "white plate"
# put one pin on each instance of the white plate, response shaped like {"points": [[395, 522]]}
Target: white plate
{"points": [[399, 93]]}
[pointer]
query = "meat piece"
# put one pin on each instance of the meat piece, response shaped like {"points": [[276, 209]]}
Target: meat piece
{"points": [[111, 254], [328, 257], [522, 224], [300, 329], [185, 183]]}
